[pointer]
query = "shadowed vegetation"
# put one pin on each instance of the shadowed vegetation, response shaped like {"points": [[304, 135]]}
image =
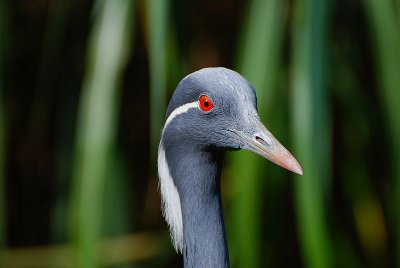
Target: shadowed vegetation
{"points": [[84, 86]]}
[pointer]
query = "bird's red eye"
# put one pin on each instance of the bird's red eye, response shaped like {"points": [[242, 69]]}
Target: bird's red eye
{"points": [[205, 103]]}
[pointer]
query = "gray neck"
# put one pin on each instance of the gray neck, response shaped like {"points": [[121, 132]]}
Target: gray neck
{"points": [[198, 176]]}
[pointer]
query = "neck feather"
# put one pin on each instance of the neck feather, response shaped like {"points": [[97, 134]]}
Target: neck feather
{"points": [[196, 175]]}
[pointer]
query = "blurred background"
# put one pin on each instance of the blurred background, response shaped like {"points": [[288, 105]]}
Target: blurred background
{"points": [[83, 92]]}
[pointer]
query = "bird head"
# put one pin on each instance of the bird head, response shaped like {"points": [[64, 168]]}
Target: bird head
{"points": [[215, 109]]}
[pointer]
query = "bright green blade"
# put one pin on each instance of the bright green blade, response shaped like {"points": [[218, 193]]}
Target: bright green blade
{"points": [[258, 62], [108, 49], [157, 13], [311, 129]]}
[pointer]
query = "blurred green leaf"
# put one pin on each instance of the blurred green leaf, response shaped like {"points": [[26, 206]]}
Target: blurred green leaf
{"points": [[259, 56], [158, 17], [311, 128], [385, 30], [108, 51]]}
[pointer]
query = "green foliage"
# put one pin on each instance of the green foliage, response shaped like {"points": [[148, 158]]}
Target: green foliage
{"points": [[311, 129], [258, 61], [327, 79], [158, 17], [385, 30], [97, 123]]}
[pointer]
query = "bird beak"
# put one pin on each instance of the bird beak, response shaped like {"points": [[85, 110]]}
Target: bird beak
{"points": [[262, 142]]}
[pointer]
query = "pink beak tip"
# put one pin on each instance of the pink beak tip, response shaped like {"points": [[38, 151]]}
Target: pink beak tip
{"points": [[294, 167], [288, 162], [298, 170]]}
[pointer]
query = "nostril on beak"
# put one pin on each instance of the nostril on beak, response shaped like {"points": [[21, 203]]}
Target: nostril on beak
{"points": [[260, 140]]}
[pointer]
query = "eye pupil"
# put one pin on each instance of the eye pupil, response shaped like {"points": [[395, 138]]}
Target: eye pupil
{"points": [[205, 103]]}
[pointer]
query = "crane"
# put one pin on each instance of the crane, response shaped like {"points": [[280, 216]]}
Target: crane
{"points": [[212, 111]]}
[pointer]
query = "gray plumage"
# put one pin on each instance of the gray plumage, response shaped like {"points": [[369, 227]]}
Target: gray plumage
{"points": [[195, 141]]}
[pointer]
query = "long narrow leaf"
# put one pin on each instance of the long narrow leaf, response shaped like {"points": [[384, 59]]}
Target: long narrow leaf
{"points": [[108, 47], [258, 61], [385, 29], [311, 128], [157, 12]]}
